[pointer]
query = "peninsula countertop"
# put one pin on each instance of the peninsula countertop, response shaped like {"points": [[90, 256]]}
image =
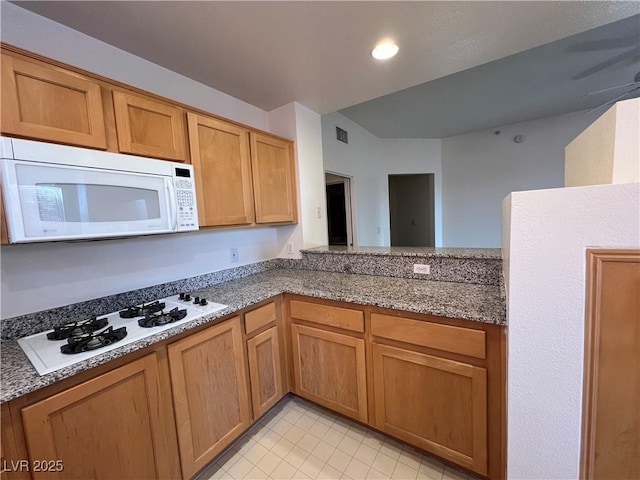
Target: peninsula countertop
{"points": [[480, 303]]}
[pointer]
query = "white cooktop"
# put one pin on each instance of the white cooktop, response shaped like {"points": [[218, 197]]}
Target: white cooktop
{"points": [[46, 357]]}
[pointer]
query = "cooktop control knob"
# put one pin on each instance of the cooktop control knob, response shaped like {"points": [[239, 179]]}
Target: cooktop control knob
{"points": [[196, 300], [203, 301], [181, 296], [187, 297]]}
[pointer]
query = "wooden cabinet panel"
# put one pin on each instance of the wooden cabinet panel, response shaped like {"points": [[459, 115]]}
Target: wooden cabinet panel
{"points": [[265, 371], [260, 317], [46, 103], [148, 127], [222, 166], [211, 400], [108, 427], [274, 185], [339, 317], [436, 404], [448, 338], [330, 369], [611, 413]]}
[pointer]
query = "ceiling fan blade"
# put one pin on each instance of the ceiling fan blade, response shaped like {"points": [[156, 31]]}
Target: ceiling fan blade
{"points": [[613, 100], [610, 88]]}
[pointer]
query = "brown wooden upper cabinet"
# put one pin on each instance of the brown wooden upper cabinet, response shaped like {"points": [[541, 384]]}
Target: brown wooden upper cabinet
{"points": [[222, 167], [148, 127], [274, 183], [48, 103], [242, 177]]}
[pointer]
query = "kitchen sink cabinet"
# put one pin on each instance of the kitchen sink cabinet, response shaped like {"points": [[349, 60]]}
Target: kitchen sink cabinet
{"points": [[113, 426], [210, 392], [222, 167], [265, 355], [273, 173], [148, 127], [48, 103]]}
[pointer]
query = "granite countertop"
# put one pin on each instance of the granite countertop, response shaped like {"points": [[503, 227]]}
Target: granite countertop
{"points": [[441, 252], [482, 303]]}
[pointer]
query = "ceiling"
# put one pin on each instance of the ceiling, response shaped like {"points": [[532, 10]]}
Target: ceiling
{"points": [[452, 54]]}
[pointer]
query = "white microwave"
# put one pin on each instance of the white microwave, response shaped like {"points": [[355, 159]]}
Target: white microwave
{"points": [[56, 192]]}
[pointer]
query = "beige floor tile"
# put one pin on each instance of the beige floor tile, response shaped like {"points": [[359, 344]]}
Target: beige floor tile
{"points": [[308, 442], [294, 434], [328, 473], [374, 474], [333, 437], [284, 471], [256, 474], [240, 468], [366, 454], [255, 453], [311, 466], [292, 416], [296, 456], [269, 439], [391, 450], [411, 458], [373, 440], [318, 429], [431, 468], [348, 445], [323, 450], [305, 422], [282, 447], [227, 459], [339, 460], [384, 463], [356, 469], [403, 472], [282, 427], [269, 462]]}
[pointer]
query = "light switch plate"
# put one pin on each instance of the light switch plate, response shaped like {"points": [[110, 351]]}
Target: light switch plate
{"points": [[422, 269]]}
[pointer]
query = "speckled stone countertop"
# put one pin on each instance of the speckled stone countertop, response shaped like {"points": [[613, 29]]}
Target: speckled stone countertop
{"points": [[442, 252], [482, 303]]}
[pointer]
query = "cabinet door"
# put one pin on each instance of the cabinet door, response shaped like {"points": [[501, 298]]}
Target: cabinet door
{"points": [[329, 368], [222, 167], [274, 183], [148, 127], [265, 371], [108, 427], [47, 103], [436, 404], [210, 394]]}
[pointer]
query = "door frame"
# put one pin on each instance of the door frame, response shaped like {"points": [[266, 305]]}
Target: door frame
{"points": [[349, 201]]}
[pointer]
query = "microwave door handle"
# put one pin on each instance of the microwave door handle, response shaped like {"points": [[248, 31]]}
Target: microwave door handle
{"points": [[173, 207]]}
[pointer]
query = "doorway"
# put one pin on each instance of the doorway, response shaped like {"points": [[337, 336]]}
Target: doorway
{"points": [[339, 216], [411, 210]]}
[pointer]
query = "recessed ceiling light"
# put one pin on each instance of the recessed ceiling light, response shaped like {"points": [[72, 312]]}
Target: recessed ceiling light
{"points": [[384, 51]]}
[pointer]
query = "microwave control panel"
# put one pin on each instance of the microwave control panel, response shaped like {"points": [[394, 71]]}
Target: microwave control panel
{"points": [[187, 211]]}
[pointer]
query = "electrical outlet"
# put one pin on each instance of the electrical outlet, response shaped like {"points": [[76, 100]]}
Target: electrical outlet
{"points": [[290, 247], [422, 269], [234, 255], [319, 212]]}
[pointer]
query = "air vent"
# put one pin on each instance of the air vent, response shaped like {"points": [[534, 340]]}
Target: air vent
{"points": [[342, 135]]}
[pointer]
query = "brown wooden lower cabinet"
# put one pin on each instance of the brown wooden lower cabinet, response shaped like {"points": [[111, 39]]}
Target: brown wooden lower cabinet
{"points": [[210, 395], [109, 427], [434, 403], [330, 369], [265, 371]]}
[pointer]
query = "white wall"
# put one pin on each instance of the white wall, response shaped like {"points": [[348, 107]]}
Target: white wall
{"points": [[608, 151], [36, 277], [549, 232], [479, 169], [297, 121], [369, 160]]}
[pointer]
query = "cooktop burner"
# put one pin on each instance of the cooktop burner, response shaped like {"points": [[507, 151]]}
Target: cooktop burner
{"points": [[93, 341], [161, 318], [142, 310], [75, 329], [72, 343]]}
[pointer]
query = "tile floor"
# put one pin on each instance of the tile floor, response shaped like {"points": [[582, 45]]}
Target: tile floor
{"points": [[298, 440]]}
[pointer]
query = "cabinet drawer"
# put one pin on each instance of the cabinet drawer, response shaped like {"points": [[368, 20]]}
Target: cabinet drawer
{"points": [[259, 317], [433, 335], [344, 318]]}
